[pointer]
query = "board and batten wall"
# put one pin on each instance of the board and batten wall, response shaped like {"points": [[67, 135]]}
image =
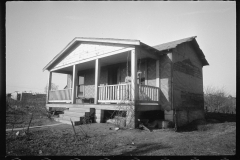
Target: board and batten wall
{"points": [[187, 84]]}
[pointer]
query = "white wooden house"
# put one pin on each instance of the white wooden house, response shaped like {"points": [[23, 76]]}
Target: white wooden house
{"points": [[117, 73]]}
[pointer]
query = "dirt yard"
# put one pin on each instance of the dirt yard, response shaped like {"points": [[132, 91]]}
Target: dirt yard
{"points": [[216, 138], [104, 140]]}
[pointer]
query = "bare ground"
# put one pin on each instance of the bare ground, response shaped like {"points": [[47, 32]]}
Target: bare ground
{"points": [[103, 140]]}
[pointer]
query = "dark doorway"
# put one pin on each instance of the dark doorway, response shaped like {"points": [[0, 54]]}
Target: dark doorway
{"points": [[152, 115], [112, 75]]}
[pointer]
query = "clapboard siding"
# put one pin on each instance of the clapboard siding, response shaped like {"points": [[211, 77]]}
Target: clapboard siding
{"points": [[151, 69], [188, 84], [85, 51], [165, 81]]}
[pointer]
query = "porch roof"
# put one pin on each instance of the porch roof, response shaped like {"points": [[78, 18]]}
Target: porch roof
{"points": [[77, 40]]}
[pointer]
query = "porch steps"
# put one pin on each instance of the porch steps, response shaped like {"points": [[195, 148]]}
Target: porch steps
{"points": [[75, 123], [68, 117], [77, 109], [76, 115]]}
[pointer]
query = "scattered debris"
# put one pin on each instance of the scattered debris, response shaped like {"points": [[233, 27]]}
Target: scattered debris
{"points": [[118, 120], [141, 126]]}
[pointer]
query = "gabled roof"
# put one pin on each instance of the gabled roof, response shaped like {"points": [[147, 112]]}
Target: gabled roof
{"points": [[173, 44], [156, 49], [77, 40]]}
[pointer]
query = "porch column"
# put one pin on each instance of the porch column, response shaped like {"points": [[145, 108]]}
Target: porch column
{"points": [[134, 85], [158, 79], [131, 111], [74, 83], [97, 75], [157, 74], [49, 85]]}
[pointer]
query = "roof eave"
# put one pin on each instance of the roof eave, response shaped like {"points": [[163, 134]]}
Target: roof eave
{"points": [[151, 48], [95, 40], [200, 53]]}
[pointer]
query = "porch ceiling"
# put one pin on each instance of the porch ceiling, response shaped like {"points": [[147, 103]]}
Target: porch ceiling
{"points": [[113, 59]]}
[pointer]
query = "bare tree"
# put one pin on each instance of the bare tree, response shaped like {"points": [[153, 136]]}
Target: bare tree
{"points": [[53, 87], [215, 99]]}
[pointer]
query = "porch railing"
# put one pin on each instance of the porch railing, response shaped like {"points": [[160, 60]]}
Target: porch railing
{"points": [[122, 92], [60, 95], [114, 93], [148, 93]]}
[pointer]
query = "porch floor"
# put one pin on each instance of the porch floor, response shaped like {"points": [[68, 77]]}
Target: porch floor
{"points": [[139, 107]]}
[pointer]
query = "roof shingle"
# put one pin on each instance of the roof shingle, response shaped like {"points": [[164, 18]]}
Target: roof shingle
{"points": [[173, 44]]}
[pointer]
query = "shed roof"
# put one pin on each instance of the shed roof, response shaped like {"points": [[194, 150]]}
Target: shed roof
{"points": [[173, 44]]}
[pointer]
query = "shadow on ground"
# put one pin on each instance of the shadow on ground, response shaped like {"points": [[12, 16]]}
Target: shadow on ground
{"points": [[221, 117], [142, 149], [210, 118]]}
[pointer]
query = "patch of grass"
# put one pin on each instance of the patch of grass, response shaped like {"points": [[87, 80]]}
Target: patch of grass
{"points": [[18, 113]]}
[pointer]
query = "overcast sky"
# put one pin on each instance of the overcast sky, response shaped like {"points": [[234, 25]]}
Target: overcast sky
{"points": [[37, 31]]}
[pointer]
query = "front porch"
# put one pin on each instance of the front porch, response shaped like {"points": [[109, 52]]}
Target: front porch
{"points": [[109, 75], [111, 94]]}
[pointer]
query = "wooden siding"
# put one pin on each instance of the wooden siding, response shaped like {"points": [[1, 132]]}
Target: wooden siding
{"points": [[64, 94], [187, 116], [165, 81], [187, 74], [121, 74], [151, 69], [85, 51], [89, 83], [103, 75], [69, 81], [188, 84]]}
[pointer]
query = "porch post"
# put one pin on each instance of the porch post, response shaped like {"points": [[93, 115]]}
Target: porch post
{"points": [[157, 79], [134, 85], [157, 74], [131, 111], [49, 85], [74, 84], [97, 74]]}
